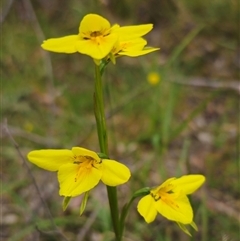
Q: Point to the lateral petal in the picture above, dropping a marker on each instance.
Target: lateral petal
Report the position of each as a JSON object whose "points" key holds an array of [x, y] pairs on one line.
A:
{"points": [[74, 182], [114, 173], [176, 209], [147, 208], [50, 159], [188, 183], [134, 31], [61, 45], [135, 53], [133, 44]]}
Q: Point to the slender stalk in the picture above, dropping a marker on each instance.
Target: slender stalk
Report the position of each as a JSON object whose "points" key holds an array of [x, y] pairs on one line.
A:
{"points": [[103, 142]]}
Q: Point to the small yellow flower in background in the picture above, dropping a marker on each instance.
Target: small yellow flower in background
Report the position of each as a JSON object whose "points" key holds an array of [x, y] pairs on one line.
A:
{"points": [[79, 169], [153, 78], [98, 39], [28, 126], [171, 201]]}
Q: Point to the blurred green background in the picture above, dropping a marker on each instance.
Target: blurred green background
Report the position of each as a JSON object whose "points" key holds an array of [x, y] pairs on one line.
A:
{"points": [[187, 123]]}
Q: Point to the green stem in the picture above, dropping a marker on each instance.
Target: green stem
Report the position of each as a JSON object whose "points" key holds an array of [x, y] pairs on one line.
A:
{"points": [[103, 142]]}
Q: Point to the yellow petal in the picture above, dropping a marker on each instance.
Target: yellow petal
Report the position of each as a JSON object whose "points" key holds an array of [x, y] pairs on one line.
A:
{"points": [[74, 182], [133, 48], [50, 159], [61, 45], [97, 49], [135, 53], [94, 23], [129, 45], [114, 173], [133, 44], [177, 208], [188, 183], [79, 151], [147, 209], [131, 32]]}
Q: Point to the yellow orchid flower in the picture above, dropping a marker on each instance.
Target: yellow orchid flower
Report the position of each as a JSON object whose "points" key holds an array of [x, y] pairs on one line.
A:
{"points": [[98, 39], [95, 38], [171, 201], [79, 169]]}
